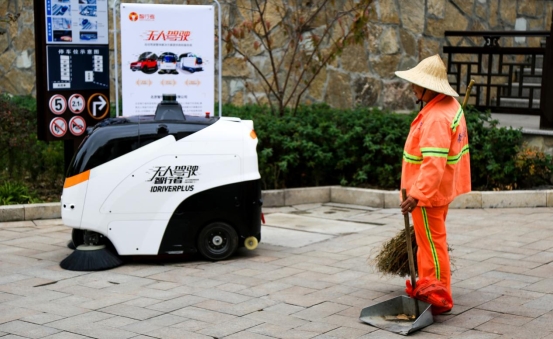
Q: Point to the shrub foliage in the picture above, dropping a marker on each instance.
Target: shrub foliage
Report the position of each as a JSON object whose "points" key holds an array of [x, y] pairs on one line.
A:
{"points": [[25, 161], [314, 146], [363, 147]]}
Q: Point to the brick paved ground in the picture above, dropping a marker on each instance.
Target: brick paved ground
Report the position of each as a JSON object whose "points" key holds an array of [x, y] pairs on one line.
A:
{"points": [[502, 282]]}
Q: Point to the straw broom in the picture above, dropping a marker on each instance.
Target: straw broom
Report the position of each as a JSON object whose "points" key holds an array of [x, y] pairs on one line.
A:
{"points": [[393, 257]]}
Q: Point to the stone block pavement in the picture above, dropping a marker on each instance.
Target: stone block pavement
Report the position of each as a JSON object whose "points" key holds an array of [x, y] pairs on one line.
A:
{"points": [[309, 278]]}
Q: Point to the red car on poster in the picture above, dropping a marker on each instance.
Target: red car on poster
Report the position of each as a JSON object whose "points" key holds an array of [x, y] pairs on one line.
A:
{"points": [[147, 63]]}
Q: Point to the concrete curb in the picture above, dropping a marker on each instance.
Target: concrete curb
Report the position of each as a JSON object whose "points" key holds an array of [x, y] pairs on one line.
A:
{"points": [[390, 199], [324, 194], [30, 212]]}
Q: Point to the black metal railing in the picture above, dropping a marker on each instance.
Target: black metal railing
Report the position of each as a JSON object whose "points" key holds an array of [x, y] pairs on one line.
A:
{"points": [[514, 80]]}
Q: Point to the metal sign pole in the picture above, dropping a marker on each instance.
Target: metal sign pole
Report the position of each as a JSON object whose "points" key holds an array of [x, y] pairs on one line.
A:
{"points": [[220, 57], [219, 51], [115, 2]]}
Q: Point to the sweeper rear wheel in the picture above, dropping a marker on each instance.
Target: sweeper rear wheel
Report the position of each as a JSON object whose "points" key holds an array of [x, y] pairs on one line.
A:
{"points": [[217, 241]]}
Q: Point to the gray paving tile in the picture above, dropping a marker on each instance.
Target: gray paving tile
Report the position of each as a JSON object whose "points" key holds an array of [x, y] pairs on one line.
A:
{"points": [[512, 330], [116, 322], [520, 310], [512, 291], [65, 335], [247, 335], [41, 318], [223, 329], [175, 304], [191, 325], [543, 303], [202, 315], [444, 330], [278, 319], [474, 298], [471, 319], [340, 320], [26, 329], [275, 331], [132, 312], [233, 298], [320, 311], [472, 334], [544, 322], [9, 313], [102, 332], [378, 334], [176, 333], [511, 319], [247, 307], [68, 324], [543, 286]]}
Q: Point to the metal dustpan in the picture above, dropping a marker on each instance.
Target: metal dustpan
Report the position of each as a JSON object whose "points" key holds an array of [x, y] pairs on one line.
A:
{"points": [[402, 314], [382, 315]]}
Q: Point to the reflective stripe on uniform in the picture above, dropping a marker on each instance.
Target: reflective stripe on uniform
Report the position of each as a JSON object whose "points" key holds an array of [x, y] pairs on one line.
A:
{"points": [[412, 159], [431, 242], [453, 159], [434, 152], [457, 119]]}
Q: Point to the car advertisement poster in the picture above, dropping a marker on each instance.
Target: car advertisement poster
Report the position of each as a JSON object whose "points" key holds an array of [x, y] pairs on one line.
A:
{"points": [[167, 49], [76, 22]]}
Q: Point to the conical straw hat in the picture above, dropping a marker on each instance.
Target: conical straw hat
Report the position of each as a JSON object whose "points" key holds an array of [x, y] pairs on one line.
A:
{"points": [[429, 73]]}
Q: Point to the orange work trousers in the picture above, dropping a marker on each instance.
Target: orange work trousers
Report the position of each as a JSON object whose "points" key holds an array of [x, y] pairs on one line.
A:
{"points": [[432, 254]]}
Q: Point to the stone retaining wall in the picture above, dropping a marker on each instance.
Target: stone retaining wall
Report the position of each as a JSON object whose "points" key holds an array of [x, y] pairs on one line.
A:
{"points": [[402, 32]]}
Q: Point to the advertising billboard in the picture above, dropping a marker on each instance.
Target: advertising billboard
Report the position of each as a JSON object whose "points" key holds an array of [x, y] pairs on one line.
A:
{"points": [[167, 49]]}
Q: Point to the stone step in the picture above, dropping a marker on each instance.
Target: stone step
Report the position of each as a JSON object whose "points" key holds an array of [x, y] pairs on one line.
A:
{"points": [[539, 61], [517, 102], [525, 90], [528, 78]]}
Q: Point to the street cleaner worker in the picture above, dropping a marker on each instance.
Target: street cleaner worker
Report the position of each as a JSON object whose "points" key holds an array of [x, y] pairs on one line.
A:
{"points": [[435, 170]]}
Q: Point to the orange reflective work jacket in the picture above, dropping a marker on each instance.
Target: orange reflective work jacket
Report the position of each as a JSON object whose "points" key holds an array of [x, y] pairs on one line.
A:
{"points": [[436, 163]]}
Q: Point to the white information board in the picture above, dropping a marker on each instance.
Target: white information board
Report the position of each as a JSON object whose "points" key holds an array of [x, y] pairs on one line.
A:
{"points": [[76, 22], [167, 49]]}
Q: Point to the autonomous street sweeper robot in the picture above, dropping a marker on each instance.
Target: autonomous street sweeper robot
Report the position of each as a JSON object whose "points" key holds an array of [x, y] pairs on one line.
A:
{"points": [[162, 184]]}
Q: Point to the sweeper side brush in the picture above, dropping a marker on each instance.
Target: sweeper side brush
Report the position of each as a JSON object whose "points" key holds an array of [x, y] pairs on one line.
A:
{"points": [[90, 254], [91, 258]]}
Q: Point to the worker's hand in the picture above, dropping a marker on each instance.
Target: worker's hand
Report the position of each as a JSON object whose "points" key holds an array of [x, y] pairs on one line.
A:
{"points": [[408, 205]]}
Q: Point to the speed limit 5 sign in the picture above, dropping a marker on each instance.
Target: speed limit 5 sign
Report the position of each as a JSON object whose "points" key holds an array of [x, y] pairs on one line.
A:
{"points": [[58, 104]]}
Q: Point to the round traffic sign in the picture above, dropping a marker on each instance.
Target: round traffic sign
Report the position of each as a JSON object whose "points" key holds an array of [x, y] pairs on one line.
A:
{"points": [[58, 127], [76, 103], [77, 125], [57, 104], [98, 106]]}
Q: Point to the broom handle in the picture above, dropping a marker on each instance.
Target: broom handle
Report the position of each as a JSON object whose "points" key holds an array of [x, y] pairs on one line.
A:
{"points": [[467, 93], [410, 249]]}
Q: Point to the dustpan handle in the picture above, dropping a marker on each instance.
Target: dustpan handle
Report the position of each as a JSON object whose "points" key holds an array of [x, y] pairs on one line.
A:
{"points": [[408, 242]]}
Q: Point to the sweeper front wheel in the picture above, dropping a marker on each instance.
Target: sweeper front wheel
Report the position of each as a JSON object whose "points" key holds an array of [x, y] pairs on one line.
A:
{"points": [[217, 241]]}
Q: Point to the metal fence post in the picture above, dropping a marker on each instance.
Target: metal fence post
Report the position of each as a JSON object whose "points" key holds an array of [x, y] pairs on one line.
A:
{"points": [[546, 100]]}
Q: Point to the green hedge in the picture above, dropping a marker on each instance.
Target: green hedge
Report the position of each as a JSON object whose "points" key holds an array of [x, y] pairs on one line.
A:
{"points": [[363, 147], [317, 146]]}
